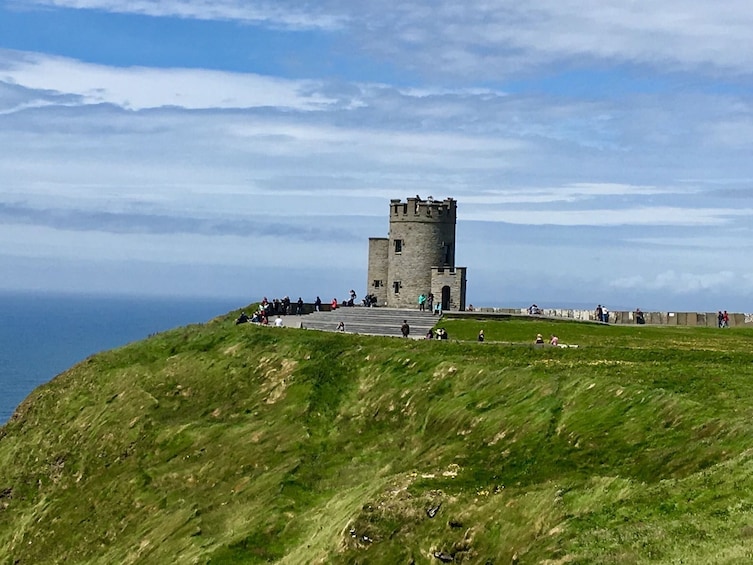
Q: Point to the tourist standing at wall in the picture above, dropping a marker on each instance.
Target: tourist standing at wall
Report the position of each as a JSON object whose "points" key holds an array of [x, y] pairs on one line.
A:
{"points": [[422, 302]]}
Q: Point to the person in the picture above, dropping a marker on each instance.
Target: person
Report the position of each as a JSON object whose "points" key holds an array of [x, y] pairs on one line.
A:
{"points": [[554, 340], [438, 309], [278, 322], [725, 319], [605, 315], [639, 319], [720, 319], [599, 314], [242, 319], [444, 335], [333, 305], [318, 304], [405, 328], [430, 302], [481, 335], [341, 326], [539, 339], [422, 302], [430, 334], [470, 308]]}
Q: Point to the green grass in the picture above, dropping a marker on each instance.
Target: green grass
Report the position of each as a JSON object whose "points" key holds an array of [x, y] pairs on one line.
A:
{"points": [[219, 443]]}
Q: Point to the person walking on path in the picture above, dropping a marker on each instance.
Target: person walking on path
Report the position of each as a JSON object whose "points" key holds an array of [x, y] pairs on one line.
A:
{"points": [[405, 328]]}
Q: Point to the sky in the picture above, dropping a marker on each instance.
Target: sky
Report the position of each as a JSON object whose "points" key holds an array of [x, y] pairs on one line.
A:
{"points": [[600, 151]]}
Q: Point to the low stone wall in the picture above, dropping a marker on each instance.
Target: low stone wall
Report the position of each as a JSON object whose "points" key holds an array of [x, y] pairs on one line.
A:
{"points": [[621, 317]]}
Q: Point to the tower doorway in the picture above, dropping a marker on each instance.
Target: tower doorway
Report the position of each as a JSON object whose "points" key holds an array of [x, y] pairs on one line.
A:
{"points": [[445, 298]]}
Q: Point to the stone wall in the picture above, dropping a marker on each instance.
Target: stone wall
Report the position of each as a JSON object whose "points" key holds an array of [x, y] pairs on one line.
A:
{"points": [[378, 272], [708, 319]]}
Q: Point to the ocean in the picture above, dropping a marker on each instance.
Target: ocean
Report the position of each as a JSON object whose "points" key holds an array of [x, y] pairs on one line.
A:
{"points": [[42, 335]]}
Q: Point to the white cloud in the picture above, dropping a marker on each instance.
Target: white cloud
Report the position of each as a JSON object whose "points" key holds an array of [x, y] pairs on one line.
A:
{"points": [[568, 193], [678, 283], [136, 88], [493, 38], [657, 216], [179, 248], [274, 13], [490, 39]]}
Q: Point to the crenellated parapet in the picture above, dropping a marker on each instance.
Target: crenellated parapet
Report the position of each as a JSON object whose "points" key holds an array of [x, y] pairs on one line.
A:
{"points": [[416, 209]]}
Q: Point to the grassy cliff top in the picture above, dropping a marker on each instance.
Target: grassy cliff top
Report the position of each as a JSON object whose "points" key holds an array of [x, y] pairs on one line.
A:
{"points": [[219, 443]]}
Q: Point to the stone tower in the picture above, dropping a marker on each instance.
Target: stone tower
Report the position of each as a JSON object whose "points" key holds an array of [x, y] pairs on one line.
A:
{"points": [[418, 256]]}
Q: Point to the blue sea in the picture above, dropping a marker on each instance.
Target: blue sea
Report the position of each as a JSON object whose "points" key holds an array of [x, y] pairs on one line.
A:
{"points": [[42, 335]]}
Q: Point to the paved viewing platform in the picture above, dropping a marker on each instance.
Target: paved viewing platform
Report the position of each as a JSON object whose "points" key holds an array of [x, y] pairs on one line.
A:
{"points": [[369, 321]]}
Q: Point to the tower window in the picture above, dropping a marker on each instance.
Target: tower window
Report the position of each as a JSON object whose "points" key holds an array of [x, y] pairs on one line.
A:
{"points": [[396, 285], [398, 246], [377, 284]]}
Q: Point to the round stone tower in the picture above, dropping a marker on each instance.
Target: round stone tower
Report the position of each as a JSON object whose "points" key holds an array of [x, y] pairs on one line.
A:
{"points": [[421, 237]]}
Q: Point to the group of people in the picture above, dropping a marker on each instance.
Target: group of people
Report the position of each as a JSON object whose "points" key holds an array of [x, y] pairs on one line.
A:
{"points": [[602, 314], [722, 319], [258, 317], [553, 340], [426, 302], [280, 306], [334, 305], [440, 333]]}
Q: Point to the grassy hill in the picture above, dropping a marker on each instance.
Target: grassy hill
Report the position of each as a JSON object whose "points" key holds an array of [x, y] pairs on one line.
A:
{"points": [[223, 444]]}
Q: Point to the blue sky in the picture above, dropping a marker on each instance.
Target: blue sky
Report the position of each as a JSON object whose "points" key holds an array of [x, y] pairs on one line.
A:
{"points": [[599, 151]]}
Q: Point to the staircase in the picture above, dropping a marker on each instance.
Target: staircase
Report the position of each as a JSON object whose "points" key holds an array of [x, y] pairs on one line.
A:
{"points": [[371, 321]]}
